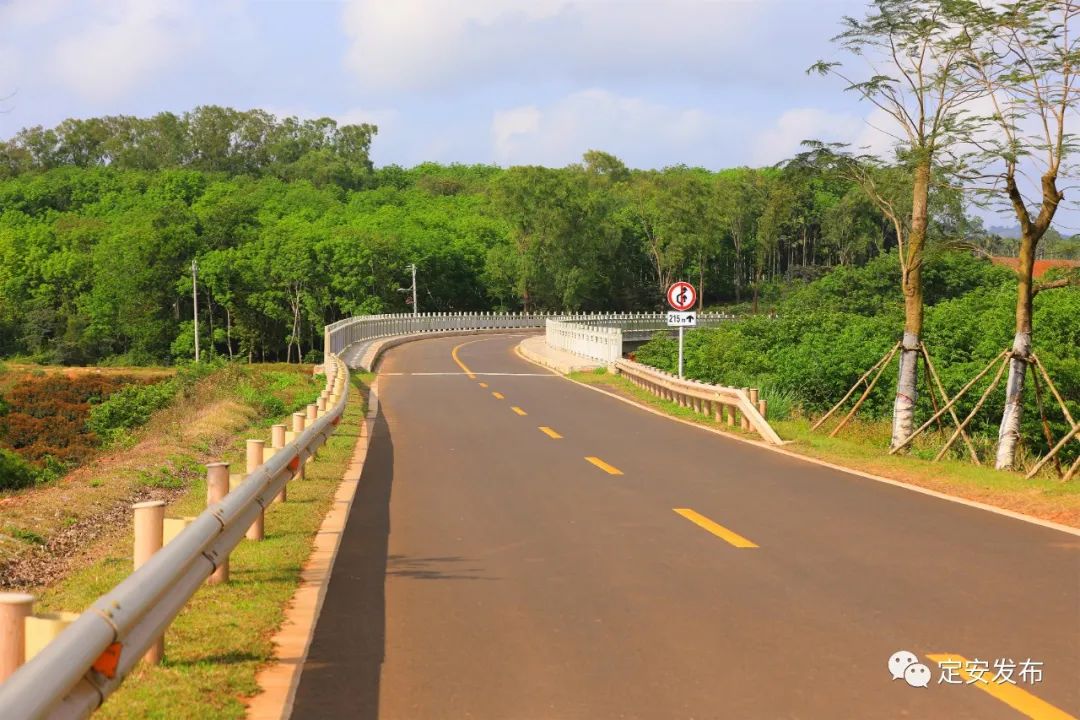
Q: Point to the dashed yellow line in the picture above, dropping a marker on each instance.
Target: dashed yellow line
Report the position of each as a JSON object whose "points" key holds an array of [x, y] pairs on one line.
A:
{"points": [[550, 433], [499, 396], [463, 366], [609, 469], [1015, 697], [483, 385], [518, 410], [732, 538]]}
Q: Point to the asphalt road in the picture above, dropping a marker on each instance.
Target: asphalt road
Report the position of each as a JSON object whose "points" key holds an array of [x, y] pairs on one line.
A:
{"points": [[490, 569]]}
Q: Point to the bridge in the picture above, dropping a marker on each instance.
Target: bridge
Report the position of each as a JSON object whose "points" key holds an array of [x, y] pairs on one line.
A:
{"points": [[522, 546]]}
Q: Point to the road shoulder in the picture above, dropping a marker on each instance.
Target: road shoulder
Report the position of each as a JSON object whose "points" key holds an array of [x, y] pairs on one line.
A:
{"points": [[279, 680]]}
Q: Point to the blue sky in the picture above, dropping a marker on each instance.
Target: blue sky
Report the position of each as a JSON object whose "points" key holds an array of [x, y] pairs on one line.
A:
{"points": [[716, 83]]}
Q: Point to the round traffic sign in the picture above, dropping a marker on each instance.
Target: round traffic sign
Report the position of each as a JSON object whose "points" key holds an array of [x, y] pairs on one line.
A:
{"points": [[681, 296]]}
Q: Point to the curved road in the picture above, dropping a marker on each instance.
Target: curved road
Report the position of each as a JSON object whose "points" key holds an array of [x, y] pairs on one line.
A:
{"points": [[525, 547]]}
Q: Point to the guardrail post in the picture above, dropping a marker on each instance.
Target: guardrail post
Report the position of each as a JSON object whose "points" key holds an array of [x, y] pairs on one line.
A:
{"points": [[312, 416], [762, 405], [277, 441], [217, 487], [299, 420], [14, 609], [744, 422], [254, 460], [149, 537]]}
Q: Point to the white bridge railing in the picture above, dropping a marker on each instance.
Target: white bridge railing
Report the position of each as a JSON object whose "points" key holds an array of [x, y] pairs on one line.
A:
{"points": [[597, 336], [601, 337]]}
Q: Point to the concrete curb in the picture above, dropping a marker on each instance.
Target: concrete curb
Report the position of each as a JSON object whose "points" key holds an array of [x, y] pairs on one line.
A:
{"points": [[536, 358], [1050, 524], [279, 681]]}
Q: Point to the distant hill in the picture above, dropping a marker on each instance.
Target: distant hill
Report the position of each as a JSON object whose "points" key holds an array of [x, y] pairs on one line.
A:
{"points": [[1004, 231]]}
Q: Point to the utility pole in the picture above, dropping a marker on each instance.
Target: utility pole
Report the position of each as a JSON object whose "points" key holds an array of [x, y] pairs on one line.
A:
{"points": [[195, 301], [415, 309]]}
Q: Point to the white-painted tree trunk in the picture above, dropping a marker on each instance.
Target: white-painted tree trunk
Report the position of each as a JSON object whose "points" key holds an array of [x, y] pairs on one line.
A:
{"points": [[1009, 432], [907, 390]]}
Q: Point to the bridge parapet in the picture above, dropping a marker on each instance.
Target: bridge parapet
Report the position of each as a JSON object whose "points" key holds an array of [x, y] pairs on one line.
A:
{"points": [[597, 335]]}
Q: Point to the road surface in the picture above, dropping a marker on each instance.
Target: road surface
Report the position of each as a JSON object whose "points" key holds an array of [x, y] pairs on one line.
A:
{"points": [[525, 547]]}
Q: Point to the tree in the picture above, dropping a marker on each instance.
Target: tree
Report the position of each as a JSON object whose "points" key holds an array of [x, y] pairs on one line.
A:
{"points": [[1022, 54], [924, 92]]}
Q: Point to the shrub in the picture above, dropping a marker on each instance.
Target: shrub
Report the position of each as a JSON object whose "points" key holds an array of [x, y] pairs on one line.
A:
{"points": [[15, 472], [128, 408]]}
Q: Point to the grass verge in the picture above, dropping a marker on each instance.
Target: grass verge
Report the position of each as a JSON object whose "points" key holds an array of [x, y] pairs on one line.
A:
{"points": [[217, 644], [862, 447]]}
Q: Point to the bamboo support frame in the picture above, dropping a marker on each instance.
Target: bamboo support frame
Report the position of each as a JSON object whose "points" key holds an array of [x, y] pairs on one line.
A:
{"points": [[978, 406], [945, 396], [1053, 388], [928, 423], [1072, 470], [1054, 451], [866, 393], [850, 392], [1042, 416]]}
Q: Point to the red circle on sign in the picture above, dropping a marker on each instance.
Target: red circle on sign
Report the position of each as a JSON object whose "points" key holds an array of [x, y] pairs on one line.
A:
{"points": [[681, 296]]}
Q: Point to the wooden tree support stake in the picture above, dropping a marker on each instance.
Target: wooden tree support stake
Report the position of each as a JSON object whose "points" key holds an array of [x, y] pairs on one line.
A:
{"points": [[1042, 416], [1054, 451], [945, 397], [858, 382], [986, 393], [884, 363], [1072, 470], [1053, 388]]}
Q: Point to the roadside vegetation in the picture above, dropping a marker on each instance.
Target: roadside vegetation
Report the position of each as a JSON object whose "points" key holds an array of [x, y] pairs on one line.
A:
{"points": [[51, 423], [825, 335], [46, 528], [218, 643]]}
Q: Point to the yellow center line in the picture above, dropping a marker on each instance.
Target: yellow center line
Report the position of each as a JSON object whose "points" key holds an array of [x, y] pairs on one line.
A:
{"points": [[1015, 697], [550, 433], [518, 410], [463, 366], [716, 529], [498, 395], [609, 469], [483, 385]]}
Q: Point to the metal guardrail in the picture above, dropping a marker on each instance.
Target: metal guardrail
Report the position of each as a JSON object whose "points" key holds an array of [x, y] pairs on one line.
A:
{"points": [[702, 397], [62, 680]]}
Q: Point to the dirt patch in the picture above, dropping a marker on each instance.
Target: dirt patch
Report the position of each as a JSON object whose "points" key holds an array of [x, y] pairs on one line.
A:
{"points": [[74, 545]]}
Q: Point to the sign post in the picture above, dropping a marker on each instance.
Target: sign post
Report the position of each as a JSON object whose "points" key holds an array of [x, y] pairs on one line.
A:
{"points": [[681, 296]]}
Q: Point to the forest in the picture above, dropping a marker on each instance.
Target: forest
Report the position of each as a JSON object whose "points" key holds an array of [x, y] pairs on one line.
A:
{"points": [[292, 227]]}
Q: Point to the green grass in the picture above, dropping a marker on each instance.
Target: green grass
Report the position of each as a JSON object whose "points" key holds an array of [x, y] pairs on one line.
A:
{"points": [[863, 446], [217, 644]]}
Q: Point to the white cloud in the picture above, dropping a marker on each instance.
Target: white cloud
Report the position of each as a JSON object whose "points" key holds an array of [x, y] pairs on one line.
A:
{"points": [[784, 139], [442, 44], [643, 133], [124, 46]]}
